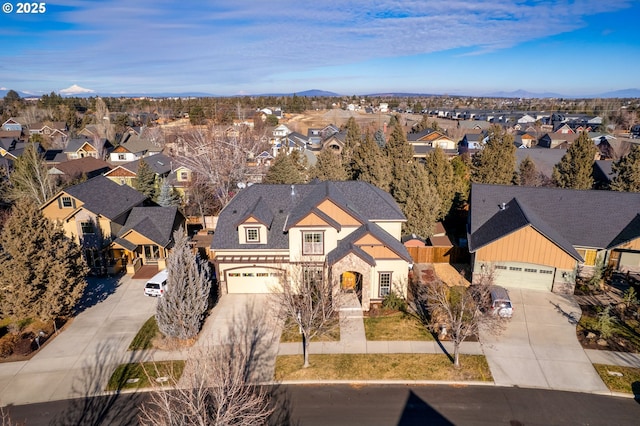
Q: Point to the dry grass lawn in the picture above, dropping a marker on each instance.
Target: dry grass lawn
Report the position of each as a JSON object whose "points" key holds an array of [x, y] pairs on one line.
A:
{"points": [[396, 326], [291, 333], [617, 383], [383, 367]]}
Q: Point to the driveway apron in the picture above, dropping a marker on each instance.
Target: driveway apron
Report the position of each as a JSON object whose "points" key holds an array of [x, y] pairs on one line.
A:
{"points": [[539, 347]]}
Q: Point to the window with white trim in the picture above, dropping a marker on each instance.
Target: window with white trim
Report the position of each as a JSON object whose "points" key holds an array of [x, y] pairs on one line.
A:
{"points": [[384, 283], [87, 228], [312, 243], [253, 235]]}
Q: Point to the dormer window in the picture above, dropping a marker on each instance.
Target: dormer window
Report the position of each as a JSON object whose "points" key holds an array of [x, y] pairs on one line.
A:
{"points": [[67, 202], [252, 235], [312, 243]]}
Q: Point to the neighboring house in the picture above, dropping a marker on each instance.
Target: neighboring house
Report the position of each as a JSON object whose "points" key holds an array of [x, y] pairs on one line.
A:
{"points": [[133, 147], [54, 130], [11, 149], [89, 167], [603, 174], [147, 236], [345, 232], [542, 238], [543, 159], [12, 125], [557, 140], [86, 147], [335, 141], [524, 140], [92, 213], [125, 174], [432, 138]]}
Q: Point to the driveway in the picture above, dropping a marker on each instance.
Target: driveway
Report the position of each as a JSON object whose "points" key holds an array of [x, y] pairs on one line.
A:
{"points": [[539, 347], [82, 357]]}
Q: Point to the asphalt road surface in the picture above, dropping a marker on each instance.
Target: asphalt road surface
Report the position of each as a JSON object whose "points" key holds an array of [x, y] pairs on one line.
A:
{"points": [[377, 405]]}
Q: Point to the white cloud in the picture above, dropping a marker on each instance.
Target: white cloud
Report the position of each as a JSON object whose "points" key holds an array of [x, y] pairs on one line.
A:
{"points": [[75, 90]]}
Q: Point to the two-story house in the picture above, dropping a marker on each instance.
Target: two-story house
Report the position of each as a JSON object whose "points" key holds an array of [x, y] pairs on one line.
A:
{"points": [[346, 232]]}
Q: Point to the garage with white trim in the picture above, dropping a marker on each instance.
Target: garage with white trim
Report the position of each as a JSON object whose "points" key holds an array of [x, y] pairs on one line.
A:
{"points": [[252, 280], [524, 275]]}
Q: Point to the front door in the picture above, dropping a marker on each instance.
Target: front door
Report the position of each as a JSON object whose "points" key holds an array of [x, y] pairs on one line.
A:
{"points": [[151, 253], [348, 281]]}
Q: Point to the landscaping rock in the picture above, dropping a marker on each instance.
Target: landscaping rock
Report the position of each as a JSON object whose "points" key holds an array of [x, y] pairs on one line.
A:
{"points": [[591, 335], [602, 342]]}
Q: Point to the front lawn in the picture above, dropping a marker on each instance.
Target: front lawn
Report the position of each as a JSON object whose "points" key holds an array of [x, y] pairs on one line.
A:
{"points": [[383, 367], [395, 326], [146, 334], [625, 331], [620, 379], [140, 375], [291, 333]]}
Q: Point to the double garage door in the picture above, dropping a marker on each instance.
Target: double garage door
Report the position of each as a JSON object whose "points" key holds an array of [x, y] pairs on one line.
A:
{"points": [[252, 280], [524, 275]]}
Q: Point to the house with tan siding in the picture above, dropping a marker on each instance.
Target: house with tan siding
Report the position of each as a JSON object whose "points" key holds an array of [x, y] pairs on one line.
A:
{"points": [[543, 238], [345, 232]]}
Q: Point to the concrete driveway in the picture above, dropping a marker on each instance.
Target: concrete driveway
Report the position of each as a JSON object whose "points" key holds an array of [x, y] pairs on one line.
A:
{"points": [[539, 347], [78, 361]]}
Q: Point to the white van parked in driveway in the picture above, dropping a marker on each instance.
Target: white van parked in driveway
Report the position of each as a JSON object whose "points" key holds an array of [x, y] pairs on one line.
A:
{"points": [[157, 285]]}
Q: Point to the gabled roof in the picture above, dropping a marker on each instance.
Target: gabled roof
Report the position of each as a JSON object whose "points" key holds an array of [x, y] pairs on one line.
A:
{"points": [[359, 199], [348, 244], [155, 223], [105, 197], [412, 137], [75, 144], [159, 163], [87, 165], [136, 144], [580, 218], [260, 211]]}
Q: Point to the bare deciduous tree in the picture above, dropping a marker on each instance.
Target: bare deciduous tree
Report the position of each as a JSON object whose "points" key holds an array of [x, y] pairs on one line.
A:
{"points": [[30, 178], [219, 385], [180, 313], [305, 297], [219, 159], [456, 310]]}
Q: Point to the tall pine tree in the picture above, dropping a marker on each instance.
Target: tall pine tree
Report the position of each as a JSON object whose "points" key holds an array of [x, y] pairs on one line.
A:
{"points": [[286, 168], [528, 174], [496, 162], [440, 172], [370, 164], [329, 166], [627, 171], [146, 180], [575, 169], [42, 272]]}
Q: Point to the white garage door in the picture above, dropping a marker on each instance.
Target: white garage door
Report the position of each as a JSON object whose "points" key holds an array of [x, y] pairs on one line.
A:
{"points": [[524, 275], [252, 280]]}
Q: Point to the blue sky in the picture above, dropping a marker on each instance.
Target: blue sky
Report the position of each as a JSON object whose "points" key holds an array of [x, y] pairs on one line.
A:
{"points": [[572, 47]]}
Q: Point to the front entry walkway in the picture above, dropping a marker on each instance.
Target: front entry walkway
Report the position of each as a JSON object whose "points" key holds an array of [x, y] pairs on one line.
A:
{"points": [[352, 334]]}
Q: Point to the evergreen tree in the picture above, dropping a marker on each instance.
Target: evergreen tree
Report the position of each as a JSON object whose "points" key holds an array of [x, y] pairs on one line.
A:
{"points": [[461, 172], [418, 200], [286, 168], [329, 166], [42, 273], [575, 169], [496, 162], [352, 140], [146, 180], [440, 172], [528, 175], [168, 196], [370, 164], [180, 312], [627, 171]]}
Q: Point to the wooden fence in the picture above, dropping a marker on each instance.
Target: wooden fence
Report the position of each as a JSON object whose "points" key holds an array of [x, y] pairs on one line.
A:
{"points": [[431, 254]]}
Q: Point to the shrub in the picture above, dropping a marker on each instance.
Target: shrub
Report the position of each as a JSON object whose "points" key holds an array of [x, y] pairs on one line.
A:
{"points": [[394, 301], [605, 323]]}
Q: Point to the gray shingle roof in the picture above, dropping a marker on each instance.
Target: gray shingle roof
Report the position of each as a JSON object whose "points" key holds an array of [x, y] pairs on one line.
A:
{"points": [[358, 198], [102, 196], [348, 244], [155, 223], [159, 163], [589, 218]]}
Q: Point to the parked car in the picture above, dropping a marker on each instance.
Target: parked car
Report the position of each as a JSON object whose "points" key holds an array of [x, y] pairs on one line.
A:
{"points": [[500, 302], [157, 285]]}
